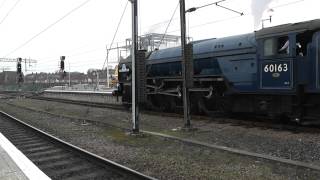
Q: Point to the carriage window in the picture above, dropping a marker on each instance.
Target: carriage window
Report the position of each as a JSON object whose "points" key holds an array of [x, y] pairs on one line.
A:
{"points": [[269, 47]]}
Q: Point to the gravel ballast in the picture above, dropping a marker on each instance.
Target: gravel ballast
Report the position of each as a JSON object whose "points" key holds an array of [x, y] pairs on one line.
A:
{"points": [[166, 159]]}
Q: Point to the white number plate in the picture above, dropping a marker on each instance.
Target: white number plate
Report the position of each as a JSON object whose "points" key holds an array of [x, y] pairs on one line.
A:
{"points": [[273, 68]]}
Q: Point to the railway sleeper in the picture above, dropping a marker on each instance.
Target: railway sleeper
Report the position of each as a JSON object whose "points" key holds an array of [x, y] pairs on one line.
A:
{"points": [[97, 174], [32, 145], [36, 150], [50, 159], [62, 164], [23, 142], [73, 171], [45, 154]]}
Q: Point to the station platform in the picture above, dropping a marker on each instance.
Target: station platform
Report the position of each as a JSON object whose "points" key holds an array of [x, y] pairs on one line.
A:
{"points": [[14, 165]]}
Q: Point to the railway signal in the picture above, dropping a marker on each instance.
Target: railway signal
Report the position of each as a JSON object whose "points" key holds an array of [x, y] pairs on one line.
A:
{"points": [[19, 71], [62, 58]]}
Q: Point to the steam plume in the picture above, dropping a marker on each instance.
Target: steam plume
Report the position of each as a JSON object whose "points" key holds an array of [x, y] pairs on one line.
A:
{"points": [[257, 8]]}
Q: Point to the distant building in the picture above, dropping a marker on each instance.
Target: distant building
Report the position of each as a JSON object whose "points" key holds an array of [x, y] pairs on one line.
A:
{"points": [[8, 77], [56, 78], [52, 78]]}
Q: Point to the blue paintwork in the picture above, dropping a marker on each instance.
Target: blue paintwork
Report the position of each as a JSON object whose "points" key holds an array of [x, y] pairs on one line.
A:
{"points": [[233, 57], [208, 47], [277, 79], [240, 60], [313, 65]]}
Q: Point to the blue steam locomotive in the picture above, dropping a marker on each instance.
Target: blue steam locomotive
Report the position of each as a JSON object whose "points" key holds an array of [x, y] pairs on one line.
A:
{"points": [[274, 71]]}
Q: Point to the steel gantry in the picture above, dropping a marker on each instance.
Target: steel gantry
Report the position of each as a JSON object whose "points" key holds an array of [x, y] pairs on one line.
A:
{"points": [[15, 60]]}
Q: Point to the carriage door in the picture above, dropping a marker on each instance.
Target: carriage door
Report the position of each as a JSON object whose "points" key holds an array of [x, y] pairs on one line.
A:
{"points": [[276, 64]]}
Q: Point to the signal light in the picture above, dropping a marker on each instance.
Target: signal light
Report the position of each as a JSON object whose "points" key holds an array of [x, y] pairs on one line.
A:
{"points": [[62, 58], [19, 69]]}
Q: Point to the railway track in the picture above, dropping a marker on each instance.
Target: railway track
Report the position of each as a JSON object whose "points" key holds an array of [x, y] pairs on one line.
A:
{"points": [[13, 94], [59, 159], [84, 103], [248, 122], [298, 164]]}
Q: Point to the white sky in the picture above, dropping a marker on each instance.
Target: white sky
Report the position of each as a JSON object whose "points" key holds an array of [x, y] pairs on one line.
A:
{"points": [[82, 37]]}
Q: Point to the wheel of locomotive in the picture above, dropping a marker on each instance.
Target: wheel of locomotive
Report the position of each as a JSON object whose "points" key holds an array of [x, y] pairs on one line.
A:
{"points": [[153, 102], [166, 103], [217, 105], [196, 104], [223, 105], [162, 103], [202, 108]]}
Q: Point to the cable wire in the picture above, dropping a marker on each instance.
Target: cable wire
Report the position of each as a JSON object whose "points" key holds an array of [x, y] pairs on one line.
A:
{"points": [[214, 3], [115, 34], [287, 4], [211, 22], [48, 27], [12, 8], [165, 32]]}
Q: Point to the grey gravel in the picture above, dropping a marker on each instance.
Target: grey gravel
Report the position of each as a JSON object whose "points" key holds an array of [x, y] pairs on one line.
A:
{"points": [[166, 159]]}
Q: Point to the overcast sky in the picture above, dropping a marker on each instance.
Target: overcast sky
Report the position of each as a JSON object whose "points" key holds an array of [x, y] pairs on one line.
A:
{"points": [[83, 35]]}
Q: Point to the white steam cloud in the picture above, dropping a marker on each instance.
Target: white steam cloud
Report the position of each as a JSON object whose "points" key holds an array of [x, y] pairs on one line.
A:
{"points": [[258, 7]]}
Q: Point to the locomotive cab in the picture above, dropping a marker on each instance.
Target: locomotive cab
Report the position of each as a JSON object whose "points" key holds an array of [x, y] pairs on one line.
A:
{"points": [[288, 64]]}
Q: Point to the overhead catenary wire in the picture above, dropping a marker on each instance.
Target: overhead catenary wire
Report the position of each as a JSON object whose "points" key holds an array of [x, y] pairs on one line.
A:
{"points": [[11, 9], [210, 4], [228, 18], [165, 32], [208, 23], [214, 3], [47, 60], [74, 52], [287, 4], [48, 27], [115, 34]]}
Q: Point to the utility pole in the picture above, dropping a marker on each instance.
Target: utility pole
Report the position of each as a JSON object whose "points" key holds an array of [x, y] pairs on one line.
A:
{"points": [[108, 83], [186, 100], [187, 81], [98, 82], [134, 46], [69, 75]]}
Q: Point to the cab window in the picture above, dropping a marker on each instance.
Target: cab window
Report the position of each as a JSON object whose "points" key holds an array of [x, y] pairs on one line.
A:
{"points": [[275, 46], [283, 45], [269, 47]]}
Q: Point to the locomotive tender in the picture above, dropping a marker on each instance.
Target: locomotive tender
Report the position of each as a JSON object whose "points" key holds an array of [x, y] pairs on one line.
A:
{"points": [[250, 73]]}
